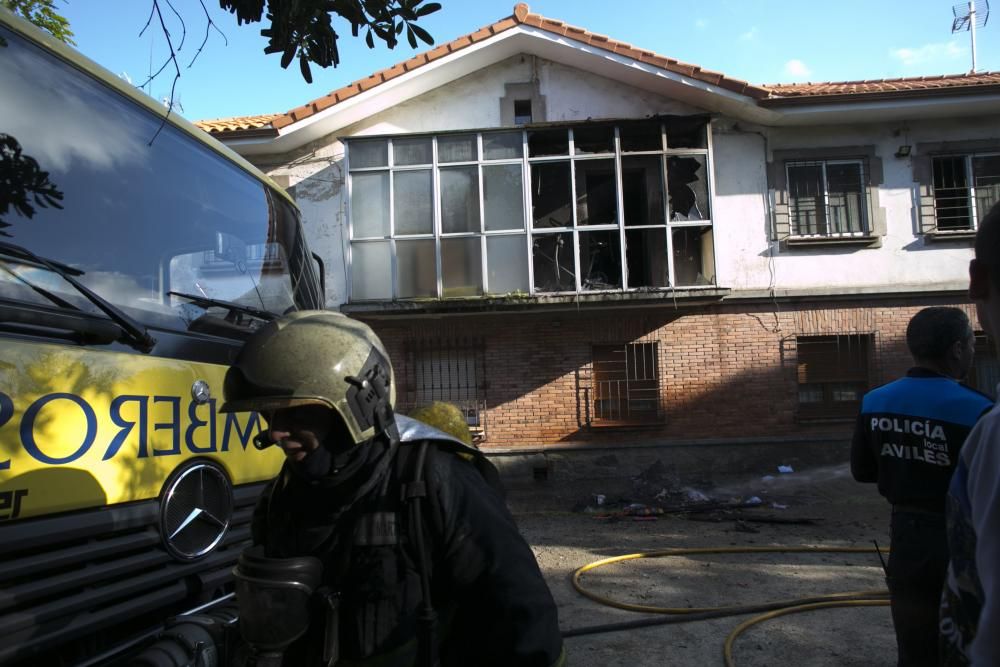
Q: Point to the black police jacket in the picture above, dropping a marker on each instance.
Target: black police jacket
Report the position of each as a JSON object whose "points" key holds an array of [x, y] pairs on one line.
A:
{"points": [[908, 435], [493, 605]]}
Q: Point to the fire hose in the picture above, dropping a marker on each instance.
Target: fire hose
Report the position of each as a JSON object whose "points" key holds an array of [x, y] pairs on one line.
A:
{"points": [[773, 609]]}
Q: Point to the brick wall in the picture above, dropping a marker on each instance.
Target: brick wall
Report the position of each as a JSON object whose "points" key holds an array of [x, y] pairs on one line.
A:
{"points": [[726, 371]]}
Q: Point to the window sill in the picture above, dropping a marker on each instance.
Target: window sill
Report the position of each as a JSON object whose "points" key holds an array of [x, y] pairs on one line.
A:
{"points": [[626, 425], [832, 240], [959, 235]]}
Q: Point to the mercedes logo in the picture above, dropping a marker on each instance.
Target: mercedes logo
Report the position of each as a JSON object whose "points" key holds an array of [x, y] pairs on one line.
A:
{"points": [[195, 510]]}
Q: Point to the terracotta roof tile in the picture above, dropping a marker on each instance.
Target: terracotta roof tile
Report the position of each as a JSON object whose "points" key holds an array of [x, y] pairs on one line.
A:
{"points": [[874, 86], [238, 123], [769, 94]]}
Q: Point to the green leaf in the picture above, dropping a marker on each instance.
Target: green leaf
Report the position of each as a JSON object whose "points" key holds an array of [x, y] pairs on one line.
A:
{"points": [[429, 8], [422, 34], [304, 68]]}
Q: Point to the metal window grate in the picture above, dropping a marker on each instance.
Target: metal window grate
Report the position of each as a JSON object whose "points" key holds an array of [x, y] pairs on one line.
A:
{"points": [[452, 371], [833, 373], [626, 383], [828, 197]]}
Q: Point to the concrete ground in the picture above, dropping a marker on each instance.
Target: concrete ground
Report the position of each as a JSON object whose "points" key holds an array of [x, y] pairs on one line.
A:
{"points": [[568, 529]]}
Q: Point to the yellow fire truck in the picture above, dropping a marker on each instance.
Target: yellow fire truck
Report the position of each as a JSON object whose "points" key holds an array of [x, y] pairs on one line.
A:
{"points": [[136, 256]]}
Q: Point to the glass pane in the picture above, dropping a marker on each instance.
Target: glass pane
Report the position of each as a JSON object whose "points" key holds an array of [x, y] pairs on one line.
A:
{"points": [[594, 139], [646, 257], [595, 192], [600, 260], [457, 148], [459, 199], [371, 272], [503, 197], [687, 188], [370, 204], [810, 393], [551, 195], [412, 150], [846, 198], [548, 142], [951, 194], [552, 261], [461, 267], [687, 132], [507, 263], [370, 153], [986, 175], [805, 199], [416, 269], [642, 185], [694, 256], [412, 197], [502, 146], [846, 391], [641, 136]]}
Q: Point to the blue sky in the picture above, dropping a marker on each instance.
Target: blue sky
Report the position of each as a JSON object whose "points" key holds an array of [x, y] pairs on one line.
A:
{"points": [[761, 41]]}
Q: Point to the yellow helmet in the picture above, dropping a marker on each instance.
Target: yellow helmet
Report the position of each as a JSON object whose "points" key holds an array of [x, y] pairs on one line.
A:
{"points": [[315, 358]]}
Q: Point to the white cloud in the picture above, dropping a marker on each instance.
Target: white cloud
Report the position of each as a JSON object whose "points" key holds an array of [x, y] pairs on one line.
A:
{"points": [[749, 34], [797, 68], [701, 24], [928, 53]]}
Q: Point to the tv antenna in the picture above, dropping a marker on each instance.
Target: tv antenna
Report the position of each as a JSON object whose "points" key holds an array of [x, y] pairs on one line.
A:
{"points": [[967, 17]]}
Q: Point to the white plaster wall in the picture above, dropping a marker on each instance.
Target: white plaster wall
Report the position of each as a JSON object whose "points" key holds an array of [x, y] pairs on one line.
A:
{"points": [[747, 260]]}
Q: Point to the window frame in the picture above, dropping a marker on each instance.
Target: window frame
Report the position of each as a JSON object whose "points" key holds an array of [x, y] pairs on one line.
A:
{"points": [[651, 418], [795, 225], [972, 201], [827, 408], [529, 232]]}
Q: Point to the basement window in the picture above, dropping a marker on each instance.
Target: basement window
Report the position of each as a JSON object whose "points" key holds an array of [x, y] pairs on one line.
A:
{"points": [[833, 375], [626, 384], [985, 372], [448, 370]]}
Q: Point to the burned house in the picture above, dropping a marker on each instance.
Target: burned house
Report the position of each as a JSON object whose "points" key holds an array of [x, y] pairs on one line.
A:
{"points": [[586, 244]]}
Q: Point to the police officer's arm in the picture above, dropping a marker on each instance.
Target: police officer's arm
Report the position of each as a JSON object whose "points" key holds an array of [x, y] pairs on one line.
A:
{"points": [[864, 465], [505, 610]]}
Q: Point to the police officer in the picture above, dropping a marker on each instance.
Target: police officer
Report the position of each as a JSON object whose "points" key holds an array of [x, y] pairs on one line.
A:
{"points": [[395, 536], [907, 439]]}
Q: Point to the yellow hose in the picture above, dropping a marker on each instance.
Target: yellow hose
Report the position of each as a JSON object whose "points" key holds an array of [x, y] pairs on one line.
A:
{"points": [[727, 650], [853, 598]]}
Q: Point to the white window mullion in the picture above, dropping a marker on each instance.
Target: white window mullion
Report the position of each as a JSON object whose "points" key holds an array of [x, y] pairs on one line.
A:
{"points": [[971, 178], [436, 181], [526, 200], [620, 209], [666, 217], [484, 278], [826, 201], [348, 253], [393, 263], [575, 234]]}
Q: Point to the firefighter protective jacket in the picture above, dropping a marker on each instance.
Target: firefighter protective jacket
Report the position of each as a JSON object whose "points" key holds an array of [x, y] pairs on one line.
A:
{"points": [[908, 435], [493, 606]]}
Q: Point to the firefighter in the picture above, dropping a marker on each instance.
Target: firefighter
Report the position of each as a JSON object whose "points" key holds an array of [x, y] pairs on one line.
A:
{"points": [[395, 538], [907, 439]]}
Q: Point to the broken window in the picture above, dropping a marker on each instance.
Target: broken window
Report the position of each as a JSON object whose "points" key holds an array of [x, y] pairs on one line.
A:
{"points": [[619, 212], [551, 195], [446, 370], [826, 198], [626, 383], [833, 374], [553, 262], [965, 188], [687, 187]]}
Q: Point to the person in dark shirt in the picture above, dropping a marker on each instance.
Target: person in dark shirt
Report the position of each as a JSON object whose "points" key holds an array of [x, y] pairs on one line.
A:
{"points": [[907, 440]]}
